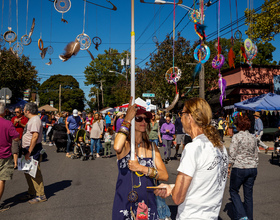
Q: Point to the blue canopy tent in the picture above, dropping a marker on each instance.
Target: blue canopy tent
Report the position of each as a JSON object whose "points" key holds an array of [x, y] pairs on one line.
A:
{"points": [[21, 104], [269, 101]]}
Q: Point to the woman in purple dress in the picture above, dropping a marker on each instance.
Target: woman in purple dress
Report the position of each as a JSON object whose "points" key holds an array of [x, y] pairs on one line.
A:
{"points": [[134, 176]]}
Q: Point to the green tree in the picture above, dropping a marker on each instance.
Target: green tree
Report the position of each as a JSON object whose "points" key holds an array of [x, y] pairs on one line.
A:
{"points": [[72, 97], [265, 25], [107, 67], [153, 76], [17, 74]]}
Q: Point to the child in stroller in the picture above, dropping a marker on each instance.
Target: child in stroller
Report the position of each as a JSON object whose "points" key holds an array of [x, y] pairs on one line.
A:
{"points": [[81, 147]]}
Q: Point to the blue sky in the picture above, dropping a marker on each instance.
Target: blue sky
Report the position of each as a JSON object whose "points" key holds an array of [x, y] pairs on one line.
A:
{"points": [[113, 27]]}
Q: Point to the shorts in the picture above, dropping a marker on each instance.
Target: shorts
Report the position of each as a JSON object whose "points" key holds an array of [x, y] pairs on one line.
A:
{"points": [[180, 138], [6, 168], [15, 146]]}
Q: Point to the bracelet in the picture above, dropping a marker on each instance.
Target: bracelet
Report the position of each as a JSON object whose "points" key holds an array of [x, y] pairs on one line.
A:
{"points": [[126, 124], [126, 132], [123, 127], [148, 172], [120, 132], [153, 173]]}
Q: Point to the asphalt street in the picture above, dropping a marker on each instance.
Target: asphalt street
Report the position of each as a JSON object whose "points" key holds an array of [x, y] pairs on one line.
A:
{"points": [[85, 189]]}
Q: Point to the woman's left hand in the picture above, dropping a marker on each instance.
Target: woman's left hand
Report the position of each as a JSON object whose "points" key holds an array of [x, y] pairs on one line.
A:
{"points": [[134, 165]]}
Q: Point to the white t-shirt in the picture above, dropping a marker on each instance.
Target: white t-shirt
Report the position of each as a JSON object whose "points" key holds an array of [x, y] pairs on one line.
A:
{"points": [[34, 125], [207, 166]]}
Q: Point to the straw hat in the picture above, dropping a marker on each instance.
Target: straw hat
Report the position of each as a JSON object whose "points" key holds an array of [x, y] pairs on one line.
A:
{"points": [[257, 114]]}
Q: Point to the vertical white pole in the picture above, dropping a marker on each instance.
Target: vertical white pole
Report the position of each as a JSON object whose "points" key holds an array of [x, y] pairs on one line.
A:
{"points": [[132, 79]]}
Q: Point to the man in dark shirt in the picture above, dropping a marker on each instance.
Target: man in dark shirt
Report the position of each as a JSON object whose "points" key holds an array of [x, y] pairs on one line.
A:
{"points": [[180, 135], [45, 121]]}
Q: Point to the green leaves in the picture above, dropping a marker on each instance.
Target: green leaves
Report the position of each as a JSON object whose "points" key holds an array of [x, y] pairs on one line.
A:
{"points": [[17, 74], [265, 25], [72, 97]]}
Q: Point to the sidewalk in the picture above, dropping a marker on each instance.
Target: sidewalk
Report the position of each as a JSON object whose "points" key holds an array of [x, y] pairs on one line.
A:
{"points": [[270, 144]]}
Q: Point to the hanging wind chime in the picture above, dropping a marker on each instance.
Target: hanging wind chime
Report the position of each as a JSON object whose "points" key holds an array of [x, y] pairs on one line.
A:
{"points": [[218, 62], [50, 48], [250, 50], [83, 38], [26, 39], [17, 47], [96, 40], [2, 41], [231, 55], [202, 51], [10, 36], [62, 6]]}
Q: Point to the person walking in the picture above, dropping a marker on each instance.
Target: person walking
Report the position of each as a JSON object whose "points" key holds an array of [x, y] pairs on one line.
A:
{"points": [[73, 123], [108, 120], [19, 121], [108, 136], [8, 134], [167, 130], [259, 131], [154, 134], [180, 135], [45, 121], [32, 146], [242, 168], [96, 134], [202, 173]]}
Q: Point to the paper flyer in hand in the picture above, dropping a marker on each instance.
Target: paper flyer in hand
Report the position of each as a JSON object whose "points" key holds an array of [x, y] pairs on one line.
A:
{"points": [[33, 169], [24, 164]]}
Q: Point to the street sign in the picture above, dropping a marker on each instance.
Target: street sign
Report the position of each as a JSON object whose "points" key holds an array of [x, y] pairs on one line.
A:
{"points": [[4, 92], [148, 105], [148, 95]]}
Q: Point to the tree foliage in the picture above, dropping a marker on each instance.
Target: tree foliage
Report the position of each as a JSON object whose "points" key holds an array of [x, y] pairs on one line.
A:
{"points": [[17, 74], [265, 25], [107, 67], [72, 97]]}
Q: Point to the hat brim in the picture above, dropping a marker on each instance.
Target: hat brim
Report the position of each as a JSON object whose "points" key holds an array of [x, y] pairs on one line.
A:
{"points": [[75, 115], [142, 110]]}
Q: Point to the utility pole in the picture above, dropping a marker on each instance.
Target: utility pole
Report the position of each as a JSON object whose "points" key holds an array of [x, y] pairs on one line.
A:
{"points": [[59, 102], [201, 74], [101, 87], [97, 101]]}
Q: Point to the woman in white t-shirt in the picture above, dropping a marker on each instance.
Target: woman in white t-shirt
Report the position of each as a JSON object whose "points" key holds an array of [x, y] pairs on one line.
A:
{"points": [[202, 172]]}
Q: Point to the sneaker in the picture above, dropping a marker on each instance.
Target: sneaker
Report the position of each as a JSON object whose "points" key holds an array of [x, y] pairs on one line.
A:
{"points": [[38, 199], [4, 208], [266, 150], [50, 144]]}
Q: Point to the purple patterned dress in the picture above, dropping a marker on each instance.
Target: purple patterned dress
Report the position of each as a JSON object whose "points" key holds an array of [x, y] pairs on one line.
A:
{"points": [[121, 207]]}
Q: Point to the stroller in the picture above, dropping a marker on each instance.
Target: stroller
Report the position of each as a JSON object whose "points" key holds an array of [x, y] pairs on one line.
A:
{"points": [[60, 137], [81, 147]]}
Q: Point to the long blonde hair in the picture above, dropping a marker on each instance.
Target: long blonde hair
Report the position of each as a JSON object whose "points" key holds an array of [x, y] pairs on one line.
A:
{"points": [[202, 115]]}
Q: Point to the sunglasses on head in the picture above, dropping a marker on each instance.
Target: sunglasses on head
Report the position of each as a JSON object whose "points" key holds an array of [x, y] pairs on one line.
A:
{"points": [[140, 118]]}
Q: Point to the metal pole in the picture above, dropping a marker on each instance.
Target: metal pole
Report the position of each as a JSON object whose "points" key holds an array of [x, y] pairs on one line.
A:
{"points": [[132, 79], [97, 101], [201, 74]]}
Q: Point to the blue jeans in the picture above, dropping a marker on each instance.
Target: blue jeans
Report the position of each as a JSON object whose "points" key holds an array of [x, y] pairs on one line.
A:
{"points": [[45, 134], [245, 177], [69, 142], [96, 143], [155, 141]]}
